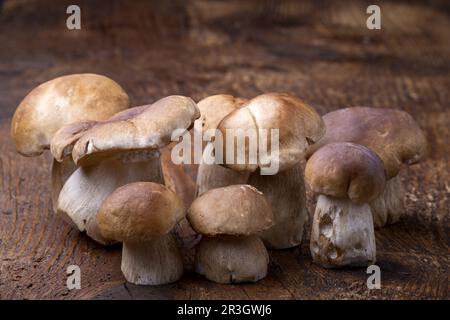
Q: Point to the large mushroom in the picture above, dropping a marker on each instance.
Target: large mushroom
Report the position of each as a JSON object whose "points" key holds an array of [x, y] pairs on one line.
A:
{"points": [[347, 177], [298, 126], [393, 135], [113, 153], [142, 215], [55, 103], [230, 219]]}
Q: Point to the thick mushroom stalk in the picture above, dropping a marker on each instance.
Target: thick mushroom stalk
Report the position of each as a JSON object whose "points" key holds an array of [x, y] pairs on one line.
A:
{"points": [[211, 176], [154, 262], [142, 216], [286, 194], [393, 135], [342, 233], [112, 153], [230, 219], [389, 206], [232, 259], [347, 177]]}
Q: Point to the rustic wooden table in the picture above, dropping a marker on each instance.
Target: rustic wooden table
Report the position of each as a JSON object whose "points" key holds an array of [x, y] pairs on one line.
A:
{"points": [[322, 53]]}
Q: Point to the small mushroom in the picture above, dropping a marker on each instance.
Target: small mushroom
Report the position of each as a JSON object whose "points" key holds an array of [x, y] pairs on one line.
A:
{"points": [[115, 152], [298, 126], [347, 177], [142, 215], [55, 103], [393, 135], [230, 219]]}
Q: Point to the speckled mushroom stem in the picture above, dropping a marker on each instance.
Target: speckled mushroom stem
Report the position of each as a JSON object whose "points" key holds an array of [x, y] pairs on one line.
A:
{"points": [[342, 233], [285, 192], [153, 262], [231, 259], [389, 206]]}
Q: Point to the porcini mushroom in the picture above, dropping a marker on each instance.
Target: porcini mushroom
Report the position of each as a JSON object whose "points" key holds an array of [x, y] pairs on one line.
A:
{"points": [[229, 218], [55, 103], [212, 110], [142, 215], [393, 135], [347, 177], [115, 152], [298, 126]]}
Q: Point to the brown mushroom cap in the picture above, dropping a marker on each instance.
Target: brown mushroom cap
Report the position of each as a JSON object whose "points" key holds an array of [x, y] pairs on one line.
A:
{"points": [[138, 212], [148, 127], [232, 210], [214, 108], [297, 122], [392, 134], [60, 101], [63, 140], [344, 170]]}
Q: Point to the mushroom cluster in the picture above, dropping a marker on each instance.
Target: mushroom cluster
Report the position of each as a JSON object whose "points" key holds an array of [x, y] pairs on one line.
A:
{"points": [[393, 135], [107, 177], [112, 153]]}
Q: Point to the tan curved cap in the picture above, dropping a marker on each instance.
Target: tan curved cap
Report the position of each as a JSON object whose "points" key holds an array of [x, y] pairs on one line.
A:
{"points": [[64, 100], [147, 127], [298, 123], [346, 170], [392, 134], [214, 108], [138, 212], [233, 210], [65, 138]]}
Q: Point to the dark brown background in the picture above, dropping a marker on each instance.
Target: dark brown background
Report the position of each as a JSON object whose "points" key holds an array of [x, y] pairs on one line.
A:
{"points": [[320, 51]]}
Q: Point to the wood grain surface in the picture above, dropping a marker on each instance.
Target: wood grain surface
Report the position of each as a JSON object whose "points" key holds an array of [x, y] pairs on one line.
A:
{"points": [[318, 50]]}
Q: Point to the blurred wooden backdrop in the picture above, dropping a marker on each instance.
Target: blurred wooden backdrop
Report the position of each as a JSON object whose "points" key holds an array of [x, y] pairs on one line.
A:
{"points": [[318, 50]]}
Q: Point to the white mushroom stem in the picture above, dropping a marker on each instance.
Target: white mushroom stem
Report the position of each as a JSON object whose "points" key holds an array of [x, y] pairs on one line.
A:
{"points": [[286, 194], [231, 259], [61, 171], [389, 206], [342, 233], [87, 188], [154, 262]]}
